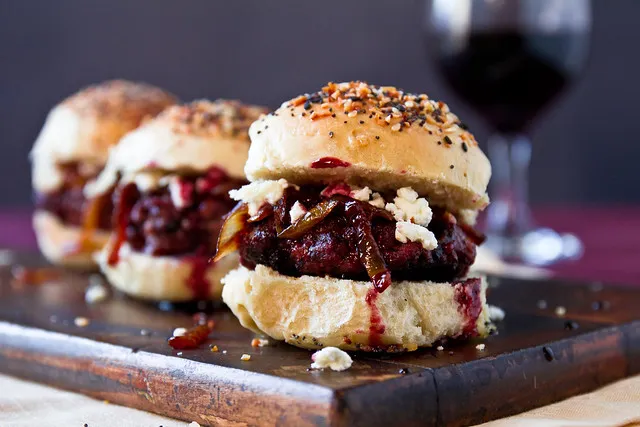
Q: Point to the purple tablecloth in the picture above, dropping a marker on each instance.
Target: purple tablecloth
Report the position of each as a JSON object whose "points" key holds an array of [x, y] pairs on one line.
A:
{"points": [[611, 237]]}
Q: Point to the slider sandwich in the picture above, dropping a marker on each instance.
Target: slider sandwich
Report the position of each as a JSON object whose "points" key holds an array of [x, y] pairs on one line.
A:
{"points": [[170, 179], [70, 151], [356, 230]]}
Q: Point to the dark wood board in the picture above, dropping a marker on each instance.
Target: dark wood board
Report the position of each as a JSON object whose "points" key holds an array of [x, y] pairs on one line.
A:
{"points": [[111, 359]]}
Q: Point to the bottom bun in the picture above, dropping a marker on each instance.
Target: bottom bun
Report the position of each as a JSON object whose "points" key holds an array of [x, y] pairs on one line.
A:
{"points": [[313, 312], [163, 278], [58, 242]]}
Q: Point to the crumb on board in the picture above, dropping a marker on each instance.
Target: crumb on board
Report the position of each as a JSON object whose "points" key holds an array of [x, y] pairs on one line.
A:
{"points": [[560, 311], [259, 342], [96, 291], [179, 332], [81, 322], [215, 349], [496, 314], [331, 357], [481, 347], [440, 348], [245, 357]]}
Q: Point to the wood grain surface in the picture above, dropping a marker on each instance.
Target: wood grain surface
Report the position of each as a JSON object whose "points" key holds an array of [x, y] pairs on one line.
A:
{"points": [[122, 356]]}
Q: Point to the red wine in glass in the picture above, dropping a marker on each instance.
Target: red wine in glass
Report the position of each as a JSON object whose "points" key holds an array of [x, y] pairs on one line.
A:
{"points": [[509, 59], [508, 76]]}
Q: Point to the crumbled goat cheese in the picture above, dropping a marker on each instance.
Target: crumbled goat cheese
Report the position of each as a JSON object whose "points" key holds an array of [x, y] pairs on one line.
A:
{"points": [[407, 206], [366, 195], [178, 332], [331, 357], [96, 291], [297, 211], [408, 231], [362, 194], [177, 193], [146, 181], [377, 201], [496, 314], [260, 192], [412, 214]]}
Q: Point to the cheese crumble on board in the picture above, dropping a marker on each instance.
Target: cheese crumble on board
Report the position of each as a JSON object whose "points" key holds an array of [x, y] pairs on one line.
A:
{"points": [[331, 357]]}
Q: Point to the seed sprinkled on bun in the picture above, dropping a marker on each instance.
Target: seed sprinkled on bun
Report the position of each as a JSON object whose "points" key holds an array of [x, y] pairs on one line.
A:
{"points": [[387, 106], [229, 117], [120, 98]]}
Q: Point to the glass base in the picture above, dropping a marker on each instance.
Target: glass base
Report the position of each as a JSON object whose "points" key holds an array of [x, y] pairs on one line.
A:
{"points": [[540, 246]]}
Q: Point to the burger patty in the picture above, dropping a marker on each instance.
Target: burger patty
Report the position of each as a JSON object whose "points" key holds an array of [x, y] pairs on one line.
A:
{"points": [[157, 227], [68, 202], [330, 248]]}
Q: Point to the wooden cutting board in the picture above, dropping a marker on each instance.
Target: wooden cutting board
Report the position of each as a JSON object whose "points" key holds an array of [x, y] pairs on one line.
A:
{"points": [[122, 356]]}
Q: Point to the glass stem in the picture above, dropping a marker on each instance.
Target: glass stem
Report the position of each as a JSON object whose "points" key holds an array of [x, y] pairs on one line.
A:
{"points": [[509, 214]]}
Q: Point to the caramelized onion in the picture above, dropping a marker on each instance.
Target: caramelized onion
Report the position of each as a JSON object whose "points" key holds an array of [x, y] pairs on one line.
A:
{"points": [[263, 213], [234, 223], [367, 246], [474, 235], [309, 220]]}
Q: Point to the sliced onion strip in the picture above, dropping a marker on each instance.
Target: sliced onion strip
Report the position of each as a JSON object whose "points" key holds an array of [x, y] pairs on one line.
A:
{"points": [[368, 250], [310, 219], [234, 223]]}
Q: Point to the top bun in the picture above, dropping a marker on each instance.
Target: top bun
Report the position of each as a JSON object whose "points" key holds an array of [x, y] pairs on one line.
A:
{"points": [[375, 136], [184, 138], [85, 125]]}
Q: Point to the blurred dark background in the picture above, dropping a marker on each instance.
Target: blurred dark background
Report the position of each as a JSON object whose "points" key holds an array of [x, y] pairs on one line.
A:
{"points": [[585, 145]]}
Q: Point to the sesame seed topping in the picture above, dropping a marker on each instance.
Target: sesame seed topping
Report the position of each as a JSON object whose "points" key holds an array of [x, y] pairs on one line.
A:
{"points": [[128, 101], [386, 106], [229, 118]]}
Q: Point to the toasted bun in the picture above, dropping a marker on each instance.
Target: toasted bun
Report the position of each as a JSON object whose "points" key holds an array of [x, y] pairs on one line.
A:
{"points": [[55, 240], [191, 137], [312, 312], [423, 146], [159, 278], [85, 125]]}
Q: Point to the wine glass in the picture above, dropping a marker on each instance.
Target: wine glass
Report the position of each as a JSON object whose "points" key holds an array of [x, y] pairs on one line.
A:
{"points": [[508, 59]]}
